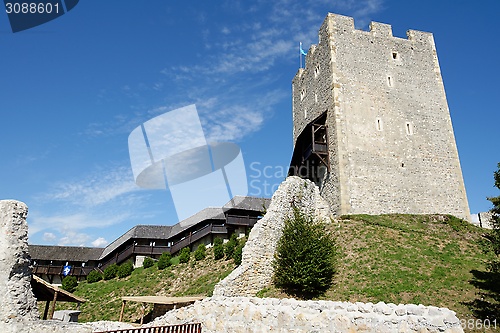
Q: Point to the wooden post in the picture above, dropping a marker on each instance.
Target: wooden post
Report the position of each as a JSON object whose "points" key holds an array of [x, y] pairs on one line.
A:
{"points": [[122, 310], [53, 306], [143, 310], [46, 310]]}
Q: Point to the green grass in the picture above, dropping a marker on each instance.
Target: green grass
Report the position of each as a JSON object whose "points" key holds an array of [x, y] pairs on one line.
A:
{"points": [[422, 259], [104, 297]]}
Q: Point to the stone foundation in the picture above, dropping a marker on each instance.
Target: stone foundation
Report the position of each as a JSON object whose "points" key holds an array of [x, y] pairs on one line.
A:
{"points": [[251, 314]]}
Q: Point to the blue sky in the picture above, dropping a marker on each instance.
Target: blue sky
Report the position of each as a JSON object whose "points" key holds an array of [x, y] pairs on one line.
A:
{"points": [[74, 88]]}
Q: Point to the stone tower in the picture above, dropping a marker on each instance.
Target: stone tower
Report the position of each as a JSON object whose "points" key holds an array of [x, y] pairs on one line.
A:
{"points": [[371, 124]]}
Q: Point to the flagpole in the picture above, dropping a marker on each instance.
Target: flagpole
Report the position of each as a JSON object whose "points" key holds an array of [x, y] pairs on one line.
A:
{"points": [[300, 54]]}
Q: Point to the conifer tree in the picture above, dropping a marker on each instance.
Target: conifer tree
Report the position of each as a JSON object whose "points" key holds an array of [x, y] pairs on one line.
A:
{"points": [[304, 263]]}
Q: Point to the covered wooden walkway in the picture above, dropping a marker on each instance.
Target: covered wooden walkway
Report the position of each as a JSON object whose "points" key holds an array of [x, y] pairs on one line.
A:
{"points": [[47, 292]]}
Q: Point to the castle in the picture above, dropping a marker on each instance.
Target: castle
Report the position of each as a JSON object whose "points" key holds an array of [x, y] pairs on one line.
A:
{"points": [[371, 125]]}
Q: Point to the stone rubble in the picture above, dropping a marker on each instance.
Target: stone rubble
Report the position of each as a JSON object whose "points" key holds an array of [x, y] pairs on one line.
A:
{"points": [[251, 314]]}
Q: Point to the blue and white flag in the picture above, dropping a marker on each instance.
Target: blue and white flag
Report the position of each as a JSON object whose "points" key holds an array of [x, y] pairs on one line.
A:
{"points": [[301, 50], [66, 270]]}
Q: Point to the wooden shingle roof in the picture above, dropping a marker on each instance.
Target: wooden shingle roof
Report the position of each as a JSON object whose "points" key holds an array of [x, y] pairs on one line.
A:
{"points": [[64, 253]]}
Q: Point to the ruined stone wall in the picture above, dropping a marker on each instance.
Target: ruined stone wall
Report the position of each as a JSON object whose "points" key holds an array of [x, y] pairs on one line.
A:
{"points": [[391, 142], [255, 271], [18, 308], [251, 314]]}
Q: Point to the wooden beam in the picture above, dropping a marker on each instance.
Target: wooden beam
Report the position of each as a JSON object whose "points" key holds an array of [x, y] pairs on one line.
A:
{"points": [[46, 310], [53, 307], [122, 310], [143, 310]]}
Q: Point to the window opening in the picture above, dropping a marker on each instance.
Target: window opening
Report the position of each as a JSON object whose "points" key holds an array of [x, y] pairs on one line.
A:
{"points": [[409, 129], [379, 124], [389, 81], [316, 71], [302, 95]]}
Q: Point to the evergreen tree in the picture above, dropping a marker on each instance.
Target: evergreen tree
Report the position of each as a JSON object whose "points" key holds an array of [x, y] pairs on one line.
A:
{"points": [[110, 272], [495, 235], [125, 269], [148, 262], [184, 255], [218, 249], [164, 260], [230, 246], [69, 283], [304, 263], [200, 252], [238, 252], [94, 276]]}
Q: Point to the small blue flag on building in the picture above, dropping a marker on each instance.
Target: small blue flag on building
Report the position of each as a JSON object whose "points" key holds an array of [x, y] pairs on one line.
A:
{"points": [[301, 50], [66, 270]]}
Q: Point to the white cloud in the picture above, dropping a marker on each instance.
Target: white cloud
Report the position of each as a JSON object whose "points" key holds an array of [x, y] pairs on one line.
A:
{"points": [[96, 189], [73, 238], [49, 237], [100, 242]]}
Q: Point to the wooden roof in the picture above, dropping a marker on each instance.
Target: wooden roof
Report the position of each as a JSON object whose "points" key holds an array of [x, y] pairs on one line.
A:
{"points": [[64, 253], [45, 291], [163, 299]]}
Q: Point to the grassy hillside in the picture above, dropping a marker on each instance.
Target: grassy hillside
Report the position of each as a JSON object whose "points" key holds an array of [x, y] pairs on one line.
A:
{"points": [[431, 260], [193, 278]]}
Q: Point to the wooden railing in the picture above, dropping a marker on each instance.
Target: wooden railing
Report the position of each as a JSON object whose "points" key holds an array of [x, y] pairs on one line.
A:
{"points": [[184, 328], [58, 270], [242, 220]]}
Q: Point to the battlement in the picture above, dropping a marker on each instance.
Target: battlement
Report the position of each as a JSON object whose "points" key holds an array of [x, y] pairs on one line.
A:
{"points": [[345, 24]]}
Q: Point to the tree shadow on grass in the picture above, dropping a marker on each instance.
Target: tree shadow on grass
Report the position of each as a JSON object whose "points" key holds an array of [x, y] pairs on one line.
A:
{"points": [[487, 302]]}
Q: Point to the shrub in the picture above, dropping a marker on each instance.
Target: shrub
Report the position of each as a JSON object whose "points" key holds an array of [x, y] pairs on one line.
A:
{"points": [[125, 269], [230, 246], [238, 251], [218, 249], [110, 272], [304, 262], [200, 252], [148, 262], [94, 276], [185, 255], [69, 283], [164, 260]]}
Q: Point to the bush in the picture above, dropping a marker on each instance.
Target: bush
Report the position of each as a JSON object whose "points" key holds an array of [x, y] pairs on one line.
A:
{"points": [[110, 272], [69, 283], [185, 255], [125, 269], [148, 262], [200, 252], [230, 246], [94, 276], [238, 251], [304, 262], [164, 260], [218, 249]]}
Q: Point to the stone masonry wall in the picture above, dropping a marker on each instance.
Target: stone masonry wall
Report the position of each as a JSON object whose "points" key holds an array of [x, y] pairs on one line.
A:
{"points": [[251, 314], [18, 308], [391, 142], [255, 271]]}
